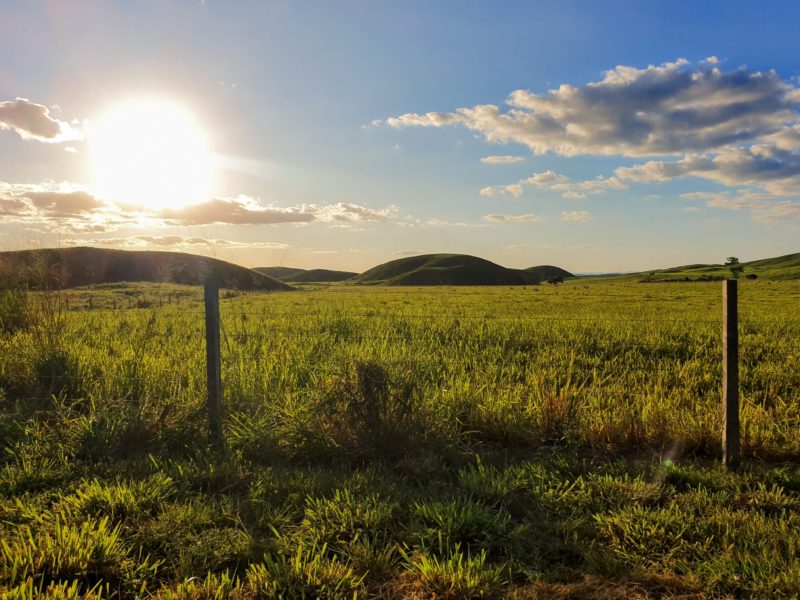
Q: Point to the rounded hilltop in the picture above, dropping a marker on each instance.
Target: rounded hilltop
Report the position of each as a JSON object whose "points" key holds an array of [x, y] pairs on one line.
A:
{"points": [[452, 269]]}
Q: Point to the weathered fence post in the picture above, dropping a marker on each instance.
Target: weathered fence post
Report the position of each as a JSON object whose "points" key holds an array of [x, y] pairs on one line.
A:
{"points": [[213, 362], [730, 374]]}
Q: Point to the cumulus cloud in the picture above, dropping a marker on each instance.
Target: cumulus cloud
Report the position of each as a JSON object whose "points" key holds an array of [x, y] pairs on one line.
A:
{"points": [[512, 218], [244, 210], [349, 212], [64, 204], [788, 138], [576, 215], [550, 180], [58, 205], [762, 207], [234, 211], [34, 122], [546, 179], [444, 223], [769, 167], [672, 108], [502, 160], [514, 189], [170, 241]]}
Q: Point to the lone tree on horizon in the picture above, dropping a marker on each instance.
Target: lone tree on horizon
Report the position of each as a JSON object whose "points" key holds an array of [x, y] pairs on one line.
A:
{"points": [[736, 268]]}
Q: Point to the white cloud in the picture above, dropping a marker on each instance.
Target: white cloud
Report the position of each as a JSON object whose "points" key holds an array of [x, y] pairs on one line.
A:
{"points": [[550, 180], [576, 215], [244, 210], [502, 160], [672, 108], [512, 218], [33, 121], [546, 179], [773, 169], [514, 189], [171, 241], [444, 223], [761, 207], [788, 138], [350, 212]]}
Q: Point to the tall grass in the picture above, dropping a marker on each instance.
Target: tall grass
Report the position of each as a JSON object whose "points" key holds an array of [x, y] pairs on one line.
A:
{"points": [[388, 442]]}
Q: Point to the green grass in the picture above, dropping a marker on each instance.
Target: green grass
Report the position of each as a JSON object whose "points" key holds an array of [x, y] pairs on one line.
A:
{"points": [[780, 268], [558, 441]]}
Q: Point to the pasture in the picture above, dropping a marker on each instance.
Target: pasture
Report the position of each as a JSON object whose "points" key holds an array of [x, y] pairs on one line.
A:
{"points": [[549, 441]]}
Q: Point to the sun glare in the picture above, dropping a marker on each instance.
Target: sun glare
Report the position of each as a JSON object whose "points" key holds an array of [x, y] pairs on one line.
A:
{"points": [[150, 153]]}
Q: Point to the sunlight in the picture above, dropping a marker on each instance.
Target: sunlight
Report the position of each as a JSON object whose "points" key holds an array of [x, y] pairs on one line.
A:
{"points": [[150, 153]]}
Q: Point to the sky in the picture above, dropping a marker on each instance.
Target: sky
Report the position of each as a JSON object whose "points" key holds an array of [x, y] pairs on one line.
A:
{"points": [[597, 136]]}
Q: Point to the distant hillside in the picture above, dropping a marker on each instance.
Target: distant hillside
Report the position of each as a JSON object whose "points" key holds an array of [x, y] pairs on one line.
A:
{"points": [[441, 269], [778, 268], [545, 272], [278, 272], [290, 275], [73, 267]]}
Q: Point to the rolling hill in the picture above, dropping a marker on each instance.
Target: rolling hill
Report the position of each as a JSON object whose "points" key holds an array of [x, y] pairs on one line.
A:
{"points": [[291, 275], [545, 272], [74, 267], [448, 269], [777, 268]]}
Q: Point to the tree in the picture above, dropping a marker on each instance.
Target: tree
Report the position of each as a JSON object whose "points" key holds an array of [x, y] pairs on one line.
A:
{"points": [[736, 268]]}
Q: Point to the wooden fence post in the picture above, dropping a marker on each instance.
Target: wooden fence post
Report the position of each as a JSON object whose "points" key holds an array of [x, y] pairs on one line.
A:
{"points": [[213, 362], [730, 374]]}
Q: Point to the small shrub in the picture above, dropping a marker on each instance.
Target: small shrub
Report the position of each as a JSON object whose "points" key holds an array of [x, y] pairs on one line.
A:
{"points": [[456, 576], [460, 522], [306, 573], [91, 551], [16, 312], [121, 500], [369, 412], [345, 516]]}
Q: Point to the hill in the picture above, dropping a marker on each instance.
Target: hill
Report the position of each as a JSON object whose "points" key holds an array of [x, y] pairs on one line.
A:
{"points": [[278, 272], [545, 272], [777, 268], [291, 275], [441, 269], [73, 267]]}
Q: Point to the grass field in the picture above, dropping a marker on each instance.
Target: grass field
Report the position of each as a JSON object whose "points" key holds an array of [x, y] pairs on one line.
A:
{"points": [[554, 442]]}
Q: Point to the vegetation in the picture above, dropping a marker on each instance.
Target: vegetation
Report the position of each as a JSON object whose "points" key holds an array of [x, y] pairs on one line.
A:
{"points": [[453, 269], [74, 267], [780, 268], [291, 275], [545, 272], [401, 442]]}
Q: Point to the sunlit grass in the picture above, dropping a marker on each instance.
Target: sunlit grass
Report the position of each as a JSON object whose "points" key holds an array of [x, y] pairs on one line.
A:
{"points": [[388, 442]]}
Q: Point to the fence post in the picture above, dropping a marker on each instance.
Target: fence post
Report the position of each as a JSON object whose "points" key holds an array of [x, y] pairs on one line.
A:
{"points": [[730, 374], [213, 362]]}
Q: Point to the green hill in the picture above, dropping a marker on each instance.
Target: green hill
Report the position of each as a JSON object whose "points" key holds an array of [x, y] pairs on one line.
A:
{"points": [[778, 268], [290, 275], [545, 272], [73, 267], [441, 269], [279, 273]]}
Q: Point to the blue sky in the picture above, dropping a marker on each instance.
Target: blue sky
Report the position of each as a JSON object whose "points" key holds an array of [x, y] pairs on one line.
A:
{"points": [[337, 139]]}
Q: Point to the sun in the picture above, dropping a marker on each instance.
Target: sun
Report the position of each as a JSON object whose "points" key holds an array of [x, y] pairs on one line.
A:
{"points": [[150, 153]]}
